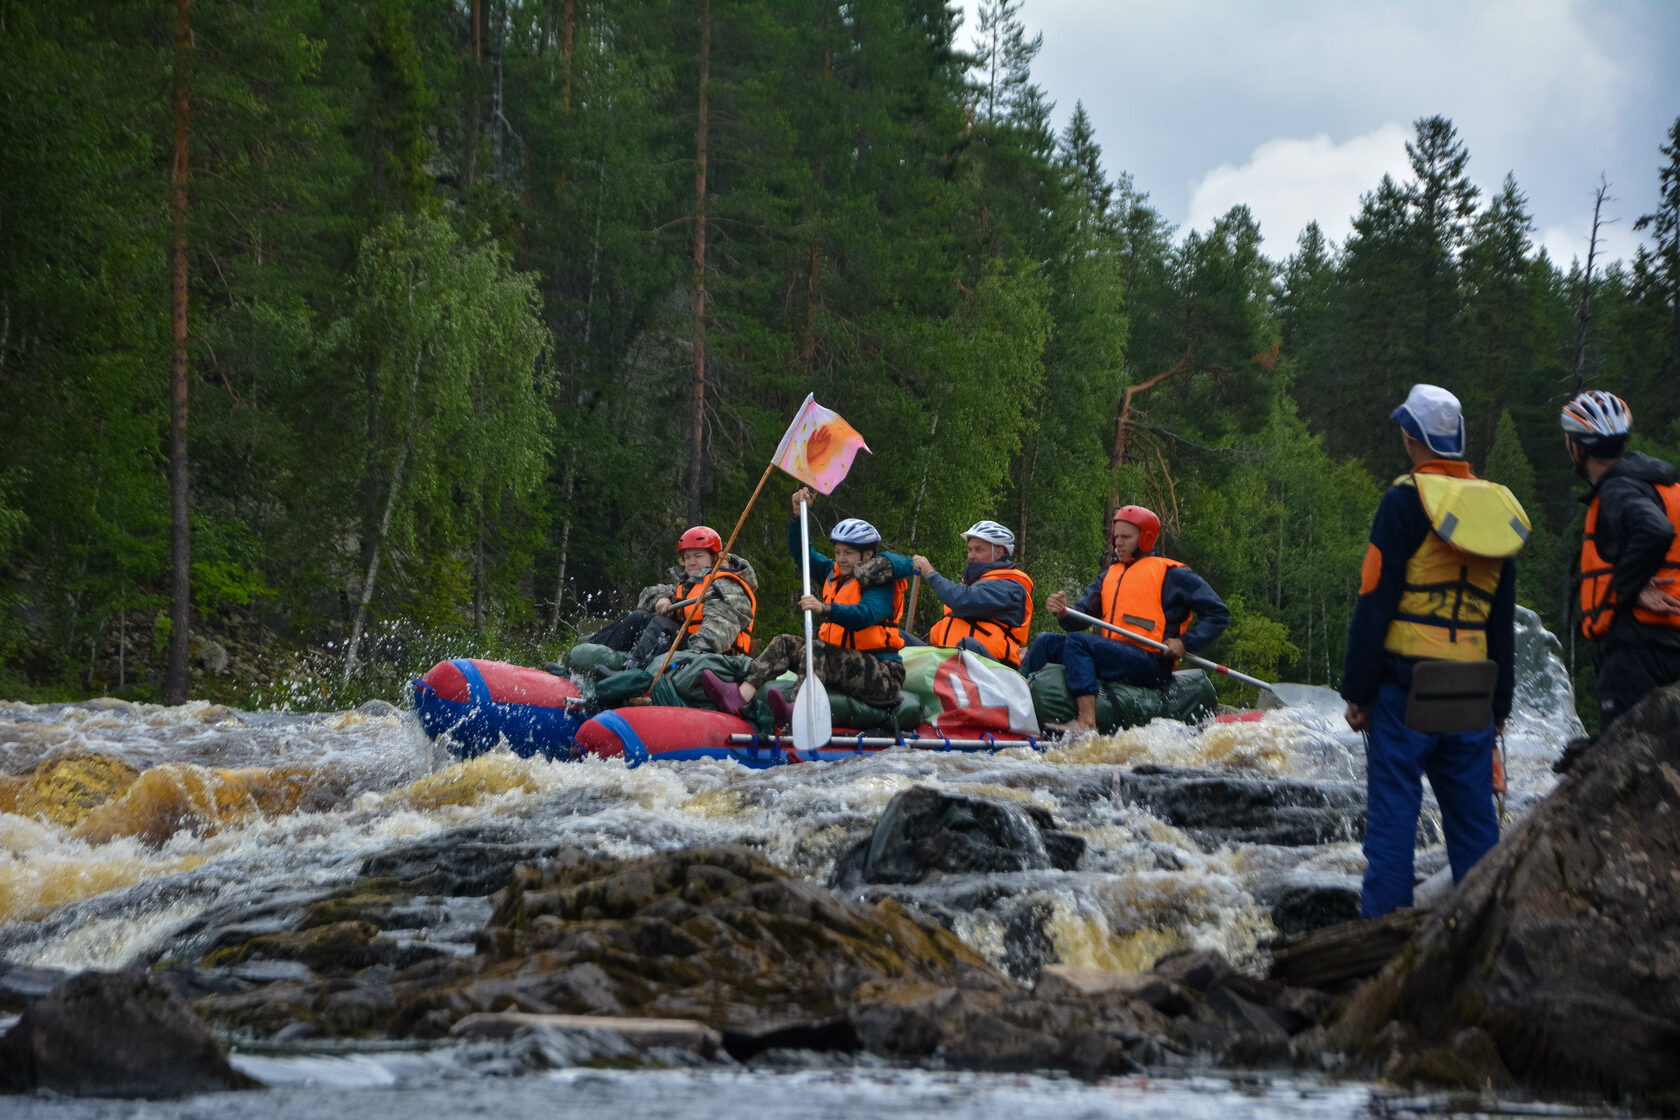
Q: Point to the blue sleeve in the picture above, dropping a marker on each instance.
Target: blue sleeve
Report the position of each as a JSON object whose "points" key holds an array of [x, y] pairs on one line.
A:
{"points": [[820, 564], [874, 605], [1001, 599], [1090, 602], [1396, 533], [902, 567], [1184, 593]]}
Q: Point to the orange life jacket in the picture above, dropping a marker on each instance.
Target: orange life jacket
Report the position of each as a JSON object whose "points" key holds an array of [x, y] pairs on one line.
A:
{"points": [[1131, 597], [695, 614], [882, 635], [1598, 603], [1002, 642]]}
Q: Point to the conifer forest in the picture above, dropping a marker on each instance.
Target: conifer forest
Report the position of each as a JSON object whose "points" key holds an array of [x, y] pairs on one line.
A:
{"points": [[339, 338]]}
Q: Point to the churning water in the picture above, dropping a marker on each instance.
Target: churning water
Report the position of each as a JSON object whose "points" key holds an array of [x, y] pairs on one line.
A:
{"points": [[123, 825]]}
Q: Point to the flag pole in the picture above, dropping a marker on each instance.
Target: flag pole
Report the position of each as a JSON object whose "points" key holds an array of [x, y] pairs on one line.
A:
{"points": [[682, 631]]}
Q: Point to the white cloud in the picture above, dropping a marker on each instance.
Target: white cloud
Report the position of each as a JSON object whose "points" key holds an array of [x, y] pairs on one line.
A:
{"points": [[1288, 183]]}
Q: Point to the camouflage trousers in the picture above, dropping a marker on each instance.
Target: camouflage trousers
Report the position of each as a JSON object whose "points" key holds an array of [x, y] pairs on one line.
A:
{"points": [[869, 678]]}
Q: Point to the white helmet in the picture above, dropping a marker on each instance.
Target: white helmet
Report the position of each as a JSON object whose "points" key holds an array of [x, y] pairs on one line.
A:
{"points": [[992, 533], [1596, 417], [856, 532]]}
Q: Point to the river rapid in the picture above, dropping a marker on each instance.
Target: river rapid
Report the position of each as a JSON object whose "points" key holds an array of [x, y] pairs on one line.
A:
{"points": [[122, 826]]}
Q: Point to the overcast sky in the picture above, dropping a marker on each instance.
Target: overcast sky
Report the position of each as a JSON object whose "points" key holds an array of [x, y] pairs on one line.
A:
{"points": [[1298, 107]]}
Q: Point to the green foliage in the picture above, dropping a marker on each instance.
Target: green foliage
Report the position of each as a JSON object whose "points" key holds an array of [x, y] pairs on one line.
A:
{"points": [[1255, 644], [442, 289]]}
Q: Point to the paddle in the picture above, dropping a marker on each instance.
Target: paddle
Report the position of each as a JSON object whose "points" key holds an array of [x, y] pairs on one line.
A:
{"points": [[1153, 644], [813, 721], [909, 622]]}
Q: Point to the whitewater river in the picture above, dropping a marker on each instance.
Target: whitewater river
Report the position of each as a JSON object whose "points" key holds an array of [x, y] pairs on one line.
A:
{"points": [[163, 815]]}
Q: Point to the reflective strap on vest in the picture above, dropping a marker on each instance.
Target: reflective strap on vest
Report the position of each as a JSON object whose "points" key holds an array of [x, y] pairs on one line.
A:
{"points": [[1444, 605], [1131, 597]]}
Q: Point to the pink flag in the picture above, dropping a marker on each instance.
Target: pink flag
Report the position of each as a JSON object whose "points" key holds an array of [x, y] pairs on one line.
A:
{"points": [[819, 447]]}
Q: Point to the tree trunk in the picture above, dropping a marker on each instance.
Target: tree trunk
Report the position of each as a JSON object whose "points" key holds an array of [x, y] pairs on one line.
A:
{"points": [[372, 576], [180, 592], [496, 133], [1582, 316], [568, 24], [698, 411]]}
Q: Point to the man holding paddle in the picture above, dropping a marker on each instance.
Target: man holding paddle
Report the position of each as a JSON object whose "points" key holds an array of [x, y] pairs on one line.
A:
{"points": [[1161, 600], [1430, 650]]}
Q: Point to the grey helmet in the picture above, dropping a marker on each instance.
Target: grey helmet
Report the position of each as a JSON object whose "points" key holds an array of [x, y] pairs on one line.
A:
{"points": [[856, 532], [992, 533]]}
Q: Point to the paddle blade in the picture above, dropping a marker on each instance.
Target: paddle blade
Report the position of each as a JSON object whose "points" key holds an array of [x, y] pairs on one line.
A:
{"points": [[813, 721]]}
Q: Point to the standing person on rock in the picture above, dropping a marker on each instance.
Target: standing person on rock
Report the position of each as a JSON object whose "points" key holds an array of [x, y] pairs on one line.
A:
{"points": [[1433, 588], [990, 610], [858, 605], [1161, 599], [1630, 554], [719, 621]]}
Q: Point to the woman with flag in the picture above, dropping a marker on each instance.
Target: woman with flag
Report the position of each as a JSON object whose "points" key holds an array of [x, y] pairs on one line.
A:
{"points": [[856, 651]]}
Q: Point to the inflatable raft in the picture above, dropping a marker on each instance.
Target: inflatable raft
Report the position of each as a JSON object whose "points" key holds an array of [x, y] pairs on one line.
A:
{"points": [[951, 701], [479, 704], [655, 734]]}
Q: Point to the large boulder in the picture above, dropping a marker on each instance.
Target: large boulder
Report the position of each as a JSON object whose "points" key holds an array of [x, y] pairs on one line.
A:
{"points": [[1555, 964], [923, 831], [114, 1034]]}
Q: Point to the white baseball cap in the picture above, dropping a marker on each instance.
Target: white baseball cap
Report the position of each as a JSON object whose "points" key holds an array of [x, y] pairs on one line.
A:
{"points": [[1432, 415]]}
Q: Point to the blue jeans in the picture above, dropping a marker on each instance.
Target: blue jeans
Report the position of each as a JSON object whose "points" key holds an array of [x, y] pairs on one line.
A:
{"points": [[1460, 769], [1088, 659]]}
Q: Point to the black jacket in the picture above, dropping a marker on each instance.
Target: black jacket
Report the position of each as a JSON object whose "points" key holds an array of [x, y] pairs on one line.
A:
{"points": [[1633, 535]]}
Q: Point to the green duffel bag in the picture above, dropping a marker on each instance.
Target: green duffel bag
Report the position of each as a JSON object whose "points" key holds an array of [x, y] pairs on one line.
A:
{"points": [[680, 687], [621, 687], [852, 713], [1188, 698], [1054, 704], [585, 656]]}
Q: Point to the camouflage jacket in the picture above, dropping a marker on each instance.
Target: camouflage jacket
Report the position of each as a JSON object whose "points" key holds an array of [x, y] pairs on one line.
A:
{"points": [[727, 609]]}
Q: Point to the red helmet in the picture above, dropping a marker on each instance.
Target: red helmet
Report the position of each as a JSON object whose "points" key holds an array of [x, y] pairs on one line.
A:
{"points": [[1149, 526], [700, 536]]}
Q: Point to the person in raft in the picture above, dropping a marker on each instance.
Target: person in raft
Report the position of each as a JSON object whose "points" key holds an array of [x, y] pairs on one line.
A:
{"points": [[1422, 599], [719, 621], [858, 607], [990, 610], [1158, 598]]}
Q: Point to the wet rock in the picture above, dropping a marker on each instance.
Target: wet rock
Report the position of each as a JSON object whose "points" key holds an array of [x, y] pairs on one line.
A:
{"points": [[474, 861], [338, 947], [114, 1034], [1560, 945], [1218, 809], [1305, 906], [23, 984], [923, 831], [377, 709]]}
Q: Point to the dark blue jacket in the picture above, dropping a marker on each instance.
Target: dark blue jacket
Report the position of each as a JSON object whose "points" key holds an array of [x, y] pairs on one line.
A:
{"points": [[1002, 600], [1183, 593], [1398, 530]]}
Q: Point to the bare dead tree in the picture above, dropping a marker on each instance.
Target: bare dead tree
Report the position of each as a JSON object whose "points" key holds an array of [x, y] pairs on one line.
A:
{"points": [[1583, 316]]}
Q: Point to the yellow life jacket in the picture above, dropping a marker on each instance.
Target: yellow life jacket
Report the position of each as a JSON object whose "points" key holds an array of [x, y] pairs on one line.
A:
{"points": [[882, 635], [694, 615], [1131, 597], [1598, 603], [1448, 595], [1002, 642]]}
